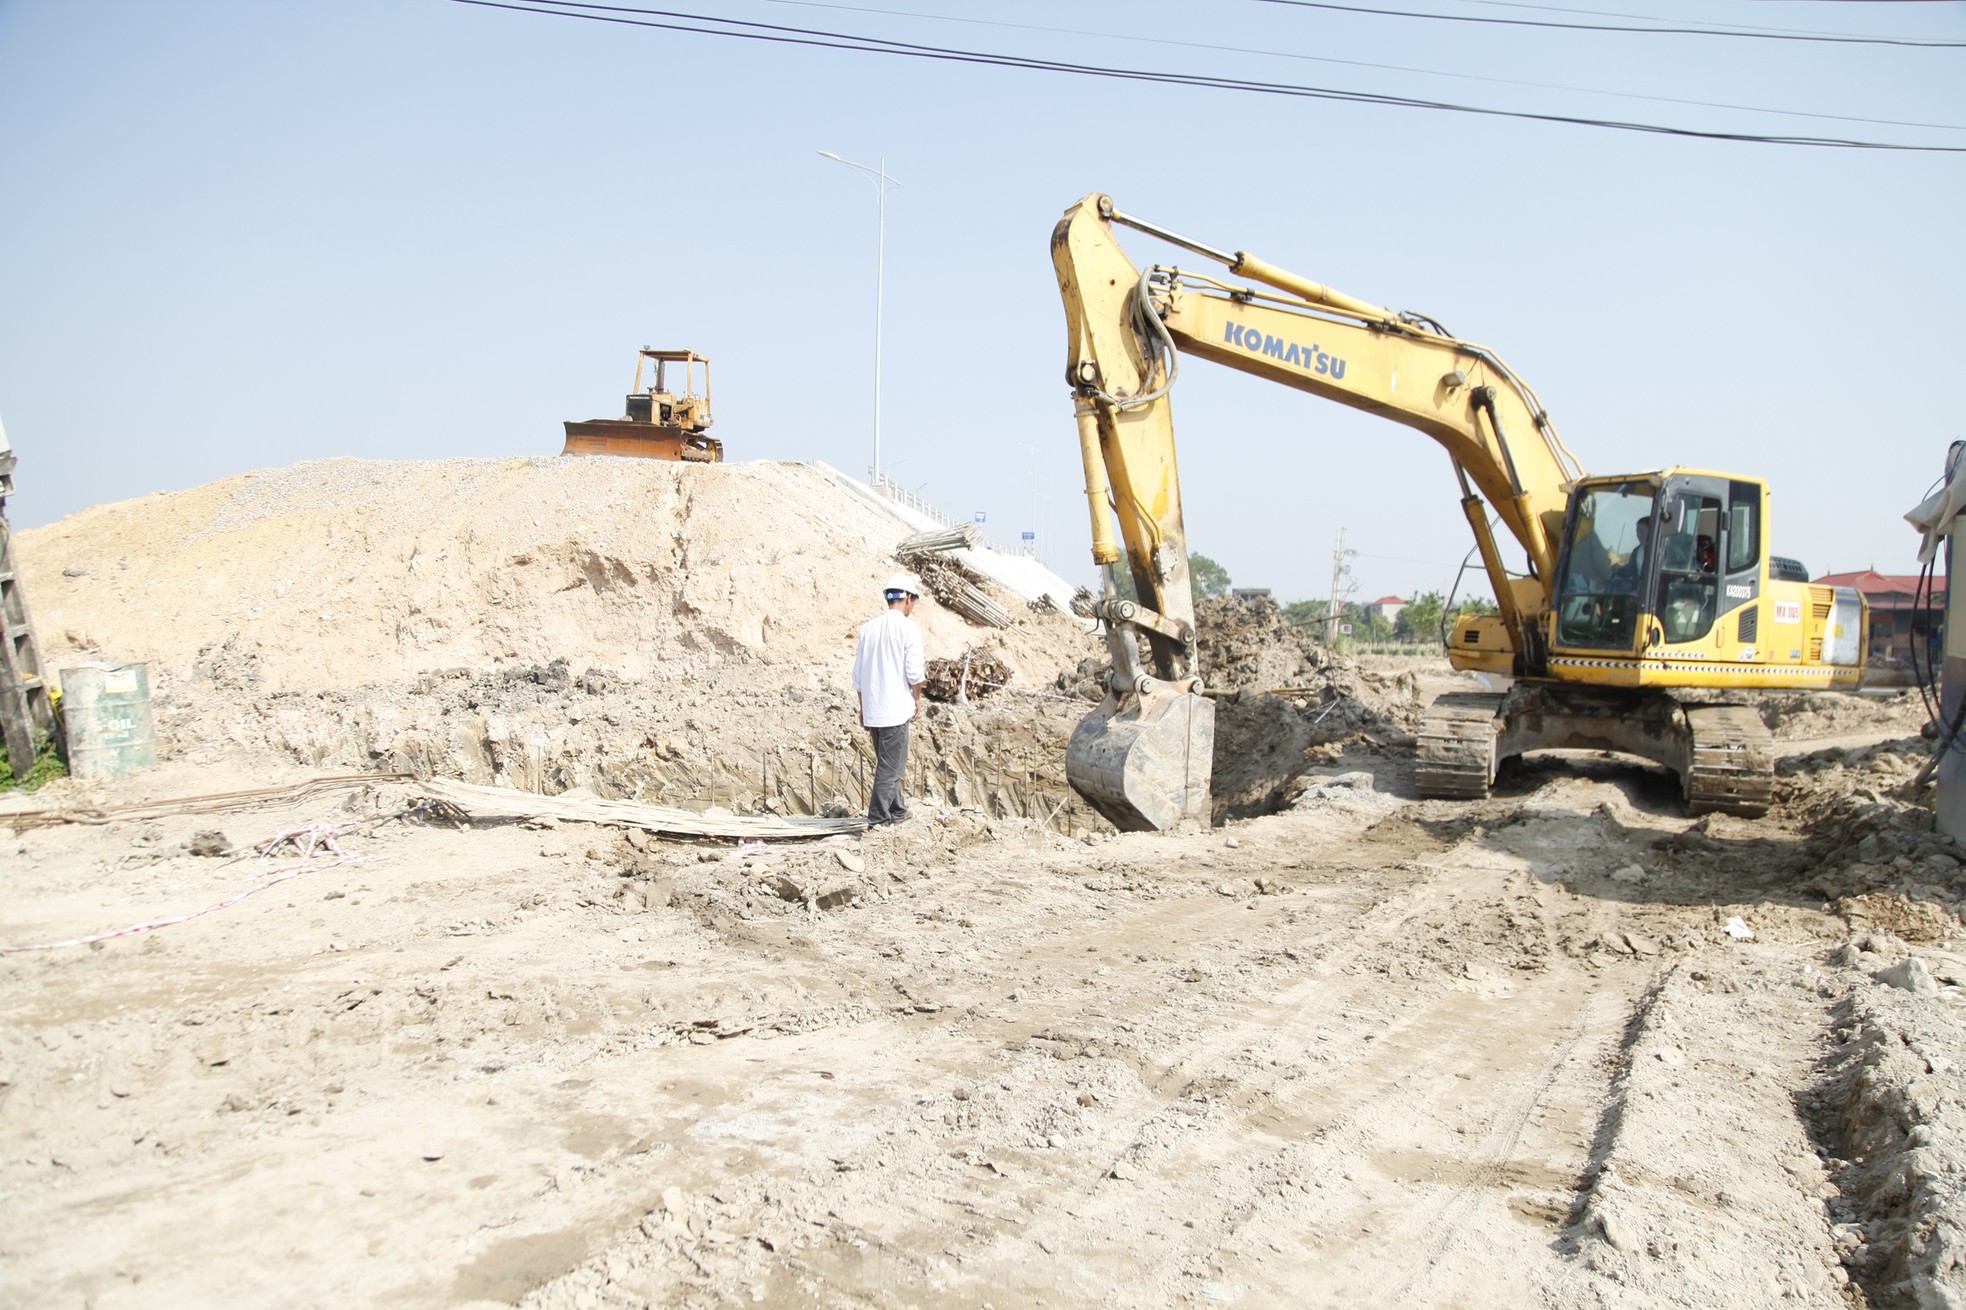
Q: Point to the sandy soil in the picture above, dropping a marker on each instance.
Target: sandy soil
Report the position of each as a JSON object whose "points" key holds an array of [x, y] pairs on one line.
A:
{"points": [[1368, 1050], [337, 573], [1563, 1048]]}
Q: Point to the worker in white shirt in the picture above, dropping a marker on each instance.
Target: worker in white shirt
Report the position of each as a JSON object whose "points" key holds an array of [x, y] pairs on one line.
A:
{"points": [[887, 677]]}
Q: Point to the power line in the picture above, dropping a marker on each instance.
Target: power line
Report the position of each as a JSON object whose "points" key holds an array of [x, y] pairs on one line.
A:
{"points": [[1744, 34], [1401, 559], [1643, 18], [781, 35], [1362, 63]]}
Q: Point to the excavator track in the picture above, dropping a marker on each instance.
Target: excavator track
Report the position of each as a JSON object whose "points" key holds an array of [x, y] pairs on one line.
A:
{"points": [[1732, 769], [1457, 746]]}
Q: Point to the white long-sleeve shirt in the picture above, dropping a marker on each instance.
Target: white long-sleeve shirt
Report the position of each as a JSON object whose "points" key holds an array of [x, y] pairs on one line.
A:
{"points": [[887, 667]]}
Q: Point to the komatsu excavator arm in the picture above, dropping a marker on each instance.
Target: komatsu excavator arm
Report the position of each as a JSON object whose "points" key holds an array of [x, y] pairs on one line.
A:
{"points": [[1127, 331]]}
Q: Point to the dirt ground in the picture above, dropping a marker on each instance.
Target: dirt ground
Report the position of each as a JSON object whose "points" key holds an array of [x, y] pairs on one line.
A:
{"points": [[1566, 1047], [1366, 1050]]}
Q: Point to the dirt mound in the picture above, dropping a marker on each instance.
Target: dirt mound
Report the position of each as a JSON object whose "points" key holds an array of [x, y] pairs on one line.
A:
{"points": [[1248, 646], [1821, 775], [342, 573], [1320, 697], [1871, 847], [1865, 840], [1284, 701], [1801, 716], [1898, 1136], [635, 627]]}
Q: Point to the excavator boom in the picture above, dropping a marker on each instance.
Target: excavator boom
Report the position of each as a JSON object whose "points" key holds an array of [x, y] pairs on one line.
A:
{"points": [[1144, 757]]}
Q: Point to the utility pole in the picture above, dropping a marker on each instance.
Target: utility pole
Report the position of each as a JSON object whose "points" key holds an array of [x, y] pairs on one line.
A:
{"points": [[1037, 528], [1339, 589]]}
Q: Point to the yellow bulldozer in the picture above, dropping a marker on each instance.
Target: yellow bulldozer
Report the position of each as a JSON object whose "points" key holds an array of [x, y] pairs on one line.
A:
{"points": [[660, 421], [1621, 589]]}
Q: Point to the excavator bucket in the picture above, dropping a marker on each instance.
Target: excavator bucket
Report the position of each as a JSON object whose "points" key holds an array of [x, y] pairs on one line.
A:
{"points": [[1144, 760]]}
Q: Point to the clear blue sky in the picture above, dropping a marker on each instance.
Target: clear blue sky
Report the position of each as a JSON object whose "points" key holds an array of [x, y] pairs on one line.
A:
{"points": [[239, 235]]}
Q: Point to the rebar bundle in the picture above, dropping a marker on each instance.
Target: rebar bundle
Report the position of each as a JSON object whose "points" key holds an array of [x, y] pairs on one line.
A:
{"points": [[955, 587]]}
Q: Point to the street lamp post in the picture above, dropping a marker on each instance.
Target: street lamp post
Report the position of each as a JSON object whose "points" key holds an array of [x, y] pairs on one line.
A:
{"points": [[878, 176], [1037, 528]]}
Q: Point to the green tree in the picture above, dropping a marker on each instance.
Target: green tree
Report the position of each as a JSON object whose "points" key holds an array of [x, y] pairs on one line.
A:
{"points": [[1477, 606], [1419, 621], [1307, 613], [1206, 577]]}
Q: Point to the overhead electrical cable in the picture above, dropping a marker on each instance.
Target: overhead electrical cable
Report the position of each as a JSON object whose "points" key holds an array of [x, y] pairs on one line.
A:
{"points": [[1643, 18], [780, 35], [1743, 34], [1363, 63]]}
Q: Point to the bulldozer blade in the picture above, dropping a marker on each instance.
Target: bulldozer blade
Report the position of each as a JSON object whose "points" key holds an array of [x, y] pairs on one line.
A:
{"points": [[641, 441], [1144, 762]]}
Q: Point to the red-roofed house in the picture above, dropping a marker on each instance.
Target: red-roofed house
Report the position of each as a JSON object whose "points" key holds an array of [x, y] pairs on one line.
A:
{"points": [[1387, 608], [1896, 620]]}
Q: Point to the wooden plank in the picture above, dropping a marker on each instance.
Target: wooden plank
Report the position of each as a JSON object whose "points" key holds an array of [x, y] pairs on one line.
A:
{"points": [[505, 802]]}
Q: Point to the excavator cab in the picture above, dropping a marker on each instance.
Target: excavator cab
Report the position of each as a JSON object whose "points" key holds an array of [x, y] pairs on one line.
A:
{"points": [[1604, 566], [1687, 590], [1651, 564]]}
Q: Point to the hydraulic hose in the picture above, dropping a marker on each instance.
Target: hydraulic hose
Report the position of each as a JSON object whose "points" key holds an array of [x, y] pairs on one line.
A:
{"points": [[1930, 687], [1157, 346]]}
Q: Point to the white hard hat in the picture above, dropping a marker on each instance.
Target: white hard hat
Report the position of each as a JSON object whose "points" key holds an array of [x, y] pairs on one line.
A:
{"points": [[907, 582]]}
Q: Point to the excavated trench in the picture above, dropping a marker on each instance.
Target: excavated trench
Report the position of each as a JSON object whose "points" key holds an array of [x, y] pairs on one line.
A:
{"points": [[738, 743], [813, 780]]}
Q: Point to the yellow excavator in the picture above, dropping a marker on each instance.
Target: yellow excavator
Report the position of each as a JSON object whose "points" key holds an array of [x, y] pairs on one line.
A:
{"points": [[1627, 586]]}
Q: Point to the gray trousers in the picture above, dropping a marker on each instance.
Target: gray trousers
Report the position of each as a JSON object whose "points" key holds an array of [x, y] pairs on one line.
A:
{"points": [[890, 760]]}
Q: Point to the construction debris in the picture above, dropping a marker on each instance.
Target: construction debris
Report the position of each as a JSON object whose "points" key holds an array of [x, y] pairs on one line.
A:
{"points": [[948, 579], [956, 587], [455, 801], [505, 802], [940, 539], [973, 675], [21, 817]]}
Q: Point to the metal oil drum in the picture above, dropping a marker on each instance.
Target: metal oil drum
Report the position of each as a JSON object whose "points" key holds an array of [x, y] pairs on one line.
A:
{"points": [[106, 713]]}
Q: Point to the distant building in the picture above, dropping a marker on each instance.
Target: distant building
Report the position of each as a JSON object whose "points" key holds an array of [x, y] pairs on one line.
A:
{"points": [[1896, 620], [1250, 593], [1387, 608]]}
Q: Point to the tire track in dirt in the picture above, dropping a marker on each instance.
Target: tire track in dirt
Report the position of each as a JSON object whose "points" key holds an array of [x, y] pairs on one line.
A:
{"points": [[979, 1049], [1377, 1085], [1262, 1105], [1317, 1118]]}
